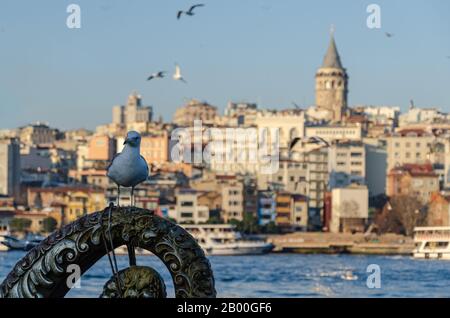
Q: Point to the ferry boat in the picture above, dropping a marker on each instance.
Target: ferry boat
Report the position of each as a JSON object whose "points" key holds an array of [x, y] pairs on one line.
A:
{"points": [[432, 243], [223, 239]]}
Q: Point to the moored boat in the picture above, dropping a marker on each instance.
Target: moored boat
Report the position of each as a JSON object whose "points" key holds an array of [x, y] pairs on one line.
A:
{"points": [[432, 243], [223, 239]]}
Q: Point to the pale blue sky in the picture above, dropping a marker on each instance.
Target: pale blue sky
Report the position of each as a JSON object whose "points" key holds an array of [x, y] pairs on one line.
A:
{"points": [[243, 50]]}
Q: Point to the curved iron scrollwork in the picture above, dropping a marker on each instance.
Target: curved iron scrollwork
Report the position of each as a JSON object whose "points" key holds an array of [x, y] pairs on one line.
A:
{"points": [[43, 273]]}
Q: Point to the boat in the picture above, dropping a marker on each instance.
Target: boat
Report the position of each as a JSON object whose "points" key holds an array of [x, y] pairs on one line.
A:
{"points": [[432, 242], [26, 244], [223, 239]]}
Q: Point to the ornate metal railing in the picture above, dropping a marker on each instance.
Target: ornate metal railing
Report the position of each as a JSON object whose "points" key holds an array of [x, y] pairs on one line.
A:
{"points": [[43, 271]]}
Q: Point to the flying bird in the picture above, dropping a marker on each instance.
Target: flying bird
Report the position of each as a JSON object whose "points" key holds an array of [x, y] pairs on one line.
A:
{"points": [[190, 12], [191, 9], [156, 75], [309, 140], [128, 168], [296, 105], [389, 35], [177, 76]]}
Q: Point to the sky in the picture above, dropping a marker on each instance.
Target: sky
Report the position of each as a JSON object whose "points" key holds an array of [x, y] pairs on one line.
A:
{"points": [[262, 51]]}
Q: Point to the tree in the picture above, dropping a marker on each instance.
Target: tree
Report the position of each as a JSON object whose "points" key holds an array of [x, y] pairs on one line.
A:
{"points": [[249, 224], [401, 215], [214, 220], [19, 224], [49, 224], [271, 228]]}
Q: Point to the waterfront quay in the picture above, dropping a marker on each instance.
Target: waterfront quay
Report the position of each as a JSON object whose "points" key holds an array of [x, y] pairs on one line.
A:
{"points": [[337, 243]]}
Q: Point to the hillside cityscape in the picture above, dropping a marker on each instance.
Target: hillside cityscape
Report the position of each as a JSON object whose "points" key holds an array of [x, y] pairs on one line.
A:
{"points": [[330, 167]]}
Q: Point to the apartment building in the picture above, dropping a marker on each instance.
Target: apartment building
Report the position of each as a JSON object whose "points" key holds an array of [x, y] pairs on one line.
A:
{"points": [[187, 208], [418, 180], [73, 202], [335, 132], [349, 209], [408, 146], [195, 110], [10, 167], [347, 158]]}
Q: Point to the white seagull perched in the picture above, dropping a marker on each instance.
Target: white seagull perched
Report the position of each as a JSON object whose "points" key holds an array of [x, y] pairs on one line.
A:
{"points": [[177, 76], [128, 168]]}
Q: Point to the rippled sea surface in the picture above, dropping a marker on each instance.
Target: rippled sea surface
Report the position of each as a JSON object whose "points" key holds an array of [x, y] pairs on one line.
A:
{"points": [[289, 275]]}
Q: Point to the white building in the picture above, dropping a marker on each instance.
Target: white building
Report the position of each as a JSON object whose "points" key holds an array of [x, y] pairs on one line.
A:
{"points": [[132, 112], [335, 132], [349, 209], [348, 158], [421, 115], [382, 115], [10, 167], [289, 123], [187, 208]]}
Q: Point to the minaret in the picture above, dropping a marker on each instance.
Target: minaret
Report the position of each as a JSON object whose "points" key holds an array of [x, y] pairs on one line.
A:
{"points": [[332, 83]]}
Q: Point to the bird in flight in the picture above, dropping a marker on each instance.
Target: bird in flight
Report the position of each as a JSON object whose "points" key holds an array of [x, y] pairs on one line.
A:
{"points": [[156, 75], [128, 168], [177, 76], [389, 35], [296, 105], [309, 140], [190, 12]]}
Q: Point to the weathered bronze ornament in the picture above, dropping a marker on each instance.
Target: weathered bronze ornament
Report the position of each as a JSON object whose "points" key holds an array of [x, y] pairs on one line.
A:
{"points": [[43, 271], [137, 282]]}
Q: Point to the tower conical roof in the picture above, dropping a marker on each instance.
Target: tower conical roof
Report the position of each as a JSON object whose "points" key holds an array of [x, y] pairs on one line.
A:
{"points": [[332, 58]]}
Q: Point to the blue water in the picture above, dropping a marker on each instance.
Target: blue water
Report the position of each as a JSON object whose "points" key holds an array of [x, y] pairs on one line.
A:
{"points": [[289, 275]]}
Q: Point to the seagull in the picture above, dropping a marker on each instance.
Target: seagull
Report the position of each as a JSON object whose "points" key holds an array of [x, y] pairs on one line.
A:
{"points": [[156, 75], [128, 168], [389, 35], [296, 105], [309, 140], [190, 12], [177, 76]]}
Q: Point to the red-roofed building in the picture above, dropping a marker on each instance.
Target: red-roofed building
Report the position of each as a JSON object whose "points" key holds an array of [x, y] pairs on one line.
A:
{"points": [[418, 180]]}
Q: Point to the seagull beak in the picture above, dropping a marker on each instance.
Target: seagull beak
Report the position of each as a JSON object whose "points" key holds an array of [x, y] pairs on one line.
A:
{"points": [[125, 142]]}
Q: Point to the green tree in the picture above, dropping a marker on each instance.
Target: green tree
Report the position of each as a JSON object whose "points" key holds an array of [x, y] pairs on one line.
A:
{"points": [[249, 224], [214, 220], [19, 224], [271, 228], [49, 224]]}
